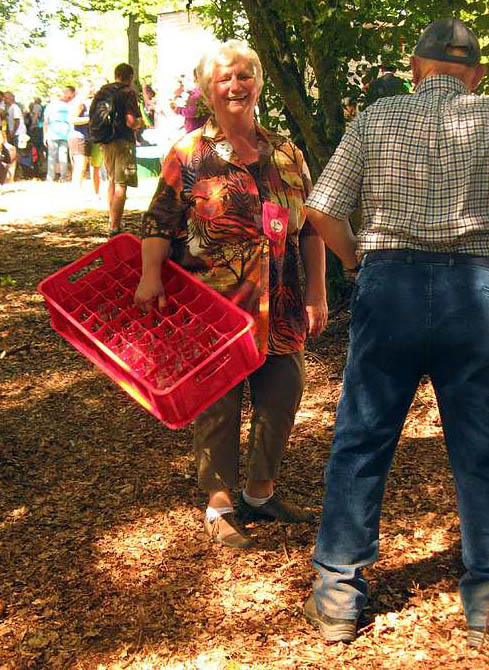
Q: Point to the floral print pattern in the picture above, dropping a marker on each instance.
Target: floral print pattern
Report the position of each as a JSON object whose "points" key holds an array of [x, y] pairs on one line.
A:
{"points": [[210, 205]]}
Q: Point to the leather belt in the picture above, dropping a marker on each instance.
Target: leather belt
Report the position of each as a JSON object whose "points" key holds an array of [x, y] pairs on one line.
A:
{"points": [[414, 256]]}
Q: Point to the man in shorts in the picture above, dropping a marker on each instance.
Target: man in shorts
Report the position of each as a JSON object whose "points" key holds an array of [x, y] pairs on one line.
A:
{"points": [[120, 154]]}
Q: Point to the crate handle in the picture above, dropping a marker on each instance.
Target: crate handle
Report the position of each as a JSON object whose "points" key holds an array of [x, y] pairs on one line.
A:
{"points": [[212, 368]]}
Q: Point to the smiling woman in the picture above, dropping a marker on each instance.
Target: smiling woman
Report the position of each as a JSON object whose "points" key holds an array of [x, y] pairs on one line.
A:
{"points": [[231, 201]]}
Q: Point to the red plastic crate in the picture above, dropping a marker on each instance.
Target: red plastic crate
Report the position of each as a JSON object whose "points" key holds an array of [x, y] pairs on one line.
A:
{"points": [[175, 363]]}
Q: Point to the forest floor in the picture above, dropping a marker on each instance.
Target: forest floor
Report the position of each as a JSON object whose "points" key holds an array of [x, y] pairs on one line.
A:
{"points": [[103, 561]]}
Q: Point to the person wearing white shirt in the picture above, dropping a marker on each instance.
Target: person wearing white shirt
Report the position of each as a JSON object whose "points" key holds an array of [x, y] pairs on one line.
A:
{"points": [[15, 119]]}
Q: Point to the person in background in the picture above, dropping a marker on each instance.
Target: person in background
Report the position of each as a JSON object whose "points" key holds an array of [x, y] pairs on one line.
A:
{"points": [[56, 129], [96, 163], [217, 193], [16, 130], [386, 85], [194, 110], [420, 307], [36, 134], [120, 154], [8, 153], [350, 108], [15, 119], [27, 117], [78, 142], [149, 104], [96, 157]]}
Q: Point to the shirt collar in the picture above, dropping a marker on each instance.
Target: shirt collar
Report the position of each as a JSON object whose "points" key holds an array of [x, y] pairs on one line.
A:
{"points": [[441, 82], [267, 140]]}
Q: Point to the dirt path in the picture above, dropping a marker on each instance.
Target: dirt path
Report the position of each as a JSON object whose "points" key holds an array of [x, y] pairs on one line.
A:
{"points": [[104, 564]]}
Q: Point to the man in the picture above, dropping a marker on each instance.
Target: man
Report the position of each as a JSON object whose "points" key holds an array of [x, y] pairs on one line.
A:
{"points": [[421, 306], [15, 131], [36, 133], [120, 154], [56, 127], [386, 85], [15, 119]]}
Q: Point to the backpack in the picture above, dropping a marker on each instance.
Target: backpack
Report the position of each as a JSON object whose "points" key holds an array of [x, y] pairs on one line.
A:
{"points": [[104, 115]]}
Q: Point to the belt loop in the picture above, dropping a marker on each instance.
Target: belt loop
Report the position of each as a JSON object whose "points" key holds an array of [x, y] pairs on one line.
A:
{"points": [[451, 260], [410, 259]]}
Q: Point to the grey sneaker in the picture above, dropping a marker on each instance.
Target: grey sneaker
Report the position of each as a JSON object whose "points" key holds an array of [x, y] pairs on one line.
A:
{"points": [[224, 530], [332, 630], [476, 635]]}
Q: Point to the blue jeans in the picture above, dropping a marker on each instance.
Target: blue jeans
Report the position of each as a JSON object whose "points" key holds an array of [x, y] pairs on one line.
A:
{"points": [[421, 314], [57, 153]]}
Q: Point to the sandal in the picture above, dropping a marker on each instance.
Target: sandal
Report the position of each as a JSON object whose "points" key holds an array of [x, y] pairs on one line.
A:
{"points": [[115, 231]]}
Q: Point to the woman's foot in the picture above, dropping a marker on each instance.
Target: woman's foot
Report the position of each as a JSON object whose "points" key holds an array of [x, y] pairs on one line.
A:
{"points": [[224, 529]]}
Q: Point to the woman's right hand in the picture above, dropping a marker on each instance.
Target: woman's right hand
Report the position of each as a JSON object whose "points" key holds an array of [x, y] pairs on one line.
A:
{"points": [[147, 291]]}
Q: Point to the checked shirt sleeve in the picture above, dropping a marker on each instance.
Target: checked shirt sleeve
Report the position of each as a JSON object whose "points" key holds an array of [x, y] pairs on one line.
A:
{"points": [[337, 190]]}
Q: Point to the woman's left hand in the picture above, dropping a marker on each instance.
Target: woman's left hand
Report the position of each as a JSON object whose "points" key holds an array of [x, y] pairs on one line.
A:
{"points": [[317, 313]]}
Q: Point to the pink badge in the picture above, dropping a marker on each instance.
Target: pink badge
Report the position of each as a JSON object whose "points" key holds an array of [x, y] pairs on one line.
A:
{"points": [[274, 221]]}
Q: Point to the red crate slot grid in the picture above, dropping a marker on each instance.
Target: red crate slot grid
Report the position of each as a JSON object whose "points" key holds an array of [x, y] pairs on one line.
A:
{"points": [[175, 362]]}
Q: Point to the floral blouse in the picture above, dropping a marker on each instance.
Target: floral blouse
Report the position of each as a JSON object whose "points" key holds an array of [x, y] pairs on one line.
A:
{"points": [[210, 204]]}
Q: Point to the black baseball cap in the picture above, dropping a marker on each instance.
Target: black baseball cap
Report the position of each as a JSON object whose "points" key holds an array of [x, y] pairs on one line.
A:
{"points": [[437, 39]]}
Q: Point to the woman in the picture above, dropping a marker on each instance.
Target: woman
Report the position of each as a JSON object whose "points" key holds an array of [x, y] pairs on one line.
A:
{"points": [[78, 140], [217, 186]]}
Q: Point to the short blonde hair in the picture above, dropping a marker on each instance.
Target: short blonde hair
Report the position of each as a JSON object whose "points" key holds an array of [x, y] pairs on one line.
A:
{"points": [[227, 53]]}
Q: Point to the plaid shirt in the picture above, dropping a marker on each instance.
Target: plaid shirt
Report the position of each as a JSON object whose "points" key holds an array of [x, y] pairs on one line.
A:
{"points": [[419, 165]]}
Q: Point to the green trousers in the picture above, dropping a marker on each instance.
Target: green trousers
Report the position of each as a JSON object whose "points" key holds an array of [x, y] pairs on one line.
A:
{"points": [[276, 390]]}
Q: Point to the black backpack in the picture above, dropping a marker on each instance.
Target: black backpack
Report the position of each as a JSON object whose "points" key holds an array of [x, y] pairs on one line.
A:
{"points": [[103, 114]]}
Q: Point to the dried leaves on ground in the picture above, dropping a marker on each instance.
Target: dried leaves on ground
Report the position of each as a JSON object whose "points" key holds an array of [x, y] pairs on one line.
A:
{"points": [[103, 560]]}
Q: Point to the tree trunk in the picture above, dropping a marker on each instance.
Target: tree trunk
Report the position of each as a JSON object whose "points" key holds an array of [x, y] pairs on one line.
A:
{"points": [[133, 46], [272, 45], [322, 132]]}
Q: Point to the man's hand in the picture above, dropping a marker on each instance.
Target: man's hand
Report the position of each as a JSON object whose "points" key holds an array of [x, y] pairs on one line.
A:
{"points": [[148, 290], [317, 312]]}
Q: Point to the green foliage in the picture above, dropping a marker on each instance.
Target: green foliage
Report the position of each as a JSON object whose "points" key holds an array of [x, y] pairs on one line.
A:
{"points": [[7, 11], [346, 40], [6, 281]]}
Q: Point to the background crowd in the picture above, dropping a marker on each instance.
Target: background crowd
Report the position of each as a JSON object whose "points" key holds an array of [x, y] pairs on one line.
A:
{"points": [[48, 139]]}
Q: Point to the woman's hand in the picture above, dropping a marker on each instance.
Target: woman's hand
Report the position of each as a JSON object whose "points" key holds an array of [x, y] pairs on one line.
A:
{"points": [[314, 258], [317, 312], [149, 289], [154, 252]]}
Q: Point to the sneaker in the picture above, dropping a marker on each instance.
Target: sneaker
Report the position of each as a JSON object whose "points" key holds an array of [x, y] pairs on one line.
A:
{"points": [[332, 629], [273, 510], [224, 530], [476, 635]]}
